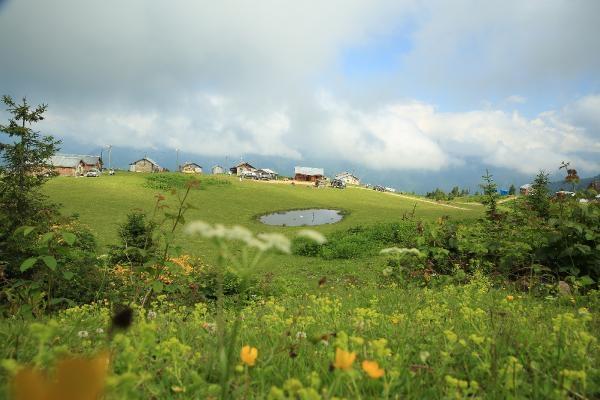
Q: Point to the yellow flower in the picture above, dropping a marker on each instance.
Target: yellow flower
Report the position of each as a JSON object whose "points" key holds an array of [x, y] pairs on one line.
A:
{"points": [[372, 369], [344, 359], [248, 355], [510, 298], [75, 379]]}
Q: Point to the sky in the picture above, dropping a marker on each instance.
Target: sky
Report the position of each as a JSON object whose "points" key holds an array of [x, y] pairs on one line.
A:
{"points": [[410, 94]]}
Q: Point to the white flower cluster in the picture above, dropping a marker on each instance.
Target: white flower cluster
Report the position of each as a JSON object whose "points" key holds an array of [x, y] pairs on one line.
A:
{"points": [[397, 250], [312, 235], [262, 241]]}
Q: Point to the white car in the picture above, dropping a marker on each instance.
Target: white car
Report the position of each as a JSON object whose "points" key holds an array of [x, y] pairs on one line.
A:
{"points": [[93, 173]]}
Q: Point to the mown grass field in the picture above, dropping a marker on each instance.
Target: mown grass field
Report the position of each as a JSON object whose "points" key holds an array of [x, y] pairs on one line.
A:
{"points": [[103, 203]]}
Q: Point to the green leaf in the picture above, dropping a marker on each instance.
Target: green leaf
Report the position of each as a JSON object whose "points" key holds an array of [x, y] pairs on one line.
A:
{"points": [[27, 230], [68, 275], [47, 237], [30, 262], [50, 262], [69, 238], [157, 286]]}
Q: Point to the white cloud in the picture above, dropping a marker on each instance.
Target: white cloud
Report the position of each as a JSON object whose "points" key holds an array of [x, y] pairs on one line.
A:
{"points": [[408, 135], [413, 135]]}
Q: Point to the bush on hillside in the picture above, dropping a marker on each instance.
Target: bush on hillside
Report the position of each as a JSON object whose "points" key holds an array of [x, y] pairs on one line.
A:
{"points": [[360, 241], [172, 181], [137, 243]]}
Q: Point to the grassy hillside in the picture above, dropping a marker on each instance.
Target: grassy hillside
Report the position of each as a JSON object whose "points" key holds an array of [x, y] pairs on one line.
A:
{"points": [[103, 203]]}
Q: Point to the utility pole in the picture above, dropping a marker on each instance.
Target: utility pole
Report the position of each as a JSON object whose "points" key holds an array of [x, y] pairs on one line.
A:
{"points": [[177, 151], [109, 151]]}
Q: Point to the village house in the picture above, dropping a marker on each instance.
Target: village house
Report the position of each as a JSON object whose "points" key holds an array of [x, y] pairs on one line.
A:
{"points": [[348, 178], [242, 168], [73, 164], [526, 189], [308, 174], [191, 168], [266, 173], [217, 169], [145, 165]]}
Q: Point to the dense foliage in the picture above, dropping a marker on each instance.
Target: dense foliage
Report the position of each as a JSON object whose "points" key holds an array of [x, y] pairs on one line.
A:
{"points": [[167, 182]]}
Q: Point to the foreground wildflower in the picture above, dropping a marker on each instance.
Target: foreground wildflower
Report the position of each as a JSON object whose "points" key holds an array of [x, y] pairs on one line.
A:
{"points": [[510, 298], [397, 250], [372, 369], [261, 242], [248, 355], [344, 359], [315, 236], [74, 379]]}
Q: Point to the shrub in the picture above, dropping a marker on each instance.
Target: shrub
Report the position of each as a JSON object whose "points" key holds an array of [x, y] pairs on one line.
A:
{"points": [[360, 241], [302, 246], [171, 181], [137, 242]]}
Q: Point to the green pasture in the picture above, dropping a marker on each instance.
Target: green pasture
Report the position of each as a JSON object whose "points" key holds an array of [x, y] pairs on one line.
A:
{"points": [[103, 203]]}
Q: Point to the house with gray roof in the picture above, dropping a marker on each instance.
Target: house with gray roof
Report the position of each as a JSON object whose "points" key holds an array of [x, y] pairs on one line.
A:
{"points": [[74, 164], [145, 164]]}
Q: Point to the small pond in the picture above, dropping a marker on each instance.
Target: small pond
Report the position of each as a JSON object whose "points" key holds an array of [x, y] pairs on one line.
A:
{"points": [[302, 217]]}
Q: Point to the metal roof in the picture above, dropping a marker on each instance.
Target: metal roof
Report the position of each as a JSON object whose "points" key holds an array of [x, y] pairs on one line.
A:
{"points": [[147, 159], [268, 171], [343, 174], [191, 163], [309, 171], [72, 160]]}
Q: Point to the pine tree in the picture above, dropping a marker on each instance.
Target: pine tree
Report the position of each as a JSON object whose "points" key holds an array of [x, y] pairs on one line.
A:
{"points": [[24, 167], [539, 199], [512, 190], [490, 195]]}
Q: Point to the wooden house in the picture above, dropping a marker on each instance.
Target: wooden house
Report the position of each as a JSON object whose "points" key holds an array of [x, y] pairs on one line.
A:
{"points": [[526, 189], [191, 168], [145, 164], [308, 174], [73, 164], [217, 169], [242, 168], [348, 178]]}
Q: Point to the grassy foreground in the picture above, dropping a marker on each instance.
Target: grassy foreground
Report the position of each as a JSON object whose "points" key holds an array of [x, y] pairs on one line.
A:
{"points": [[468, 341], [355, 335]]}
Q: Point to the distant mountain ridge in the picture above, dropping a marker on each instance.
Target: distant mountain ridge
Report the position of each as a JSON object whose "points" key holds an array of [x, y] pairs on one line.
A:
{"points": [[582, 185]]}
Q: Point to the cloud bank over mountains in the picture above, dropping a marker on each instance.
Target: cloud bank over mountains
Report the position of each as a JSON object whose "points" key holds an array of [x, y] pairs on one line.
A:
{"points": [[506, 83]]}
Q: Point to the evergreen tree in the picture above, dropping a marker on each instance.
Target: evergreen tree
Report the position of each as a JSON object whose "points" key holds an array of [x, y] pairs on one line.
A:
{"points": [[512, 190], [539, 199], [490, 195], [24, 166]]}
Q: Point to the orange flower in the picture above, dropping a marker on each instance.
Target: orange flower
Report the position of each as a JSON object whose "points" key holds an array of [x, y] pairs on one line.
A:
{"points": [[75, 379], [372, 369], [344, 359], [248, 355], [510, 298]]}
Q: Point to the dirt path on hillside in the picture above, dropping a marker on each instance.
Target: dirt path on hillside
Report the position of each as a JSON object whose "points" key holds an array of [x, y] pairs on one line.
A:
{"points": [[435, 203]]}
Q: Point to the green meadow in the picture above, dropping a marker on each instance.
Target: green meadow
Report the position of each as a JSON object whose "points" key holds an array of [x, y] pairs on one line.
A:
{"points": [[103, 203], [316, 322]]}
